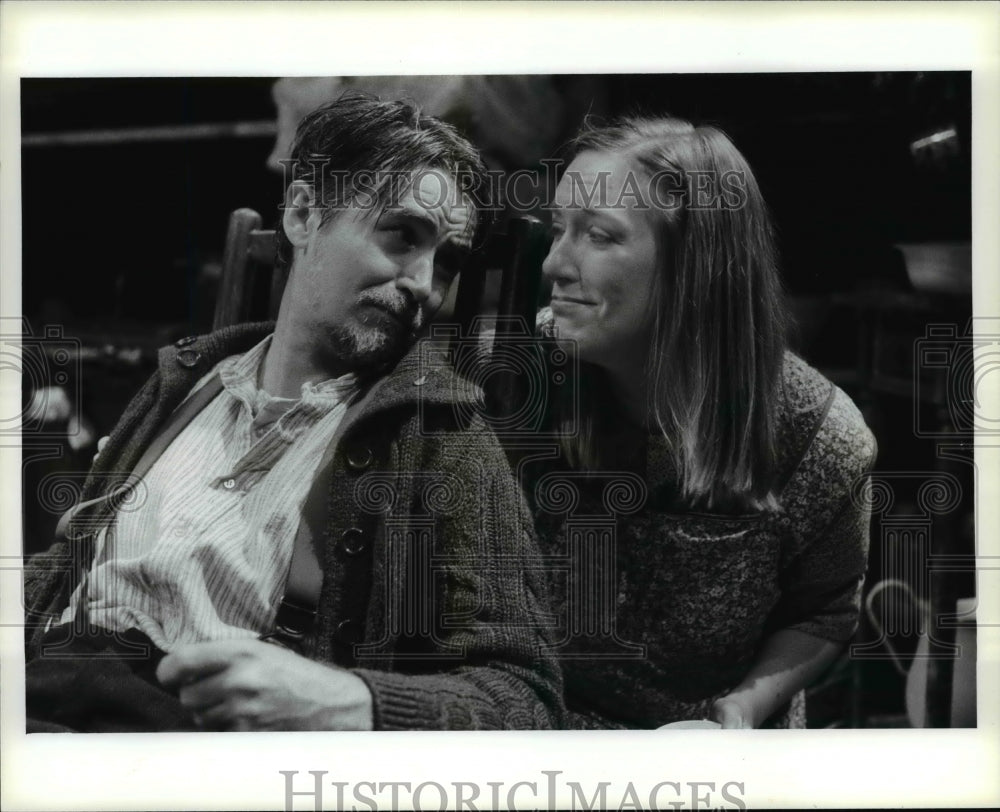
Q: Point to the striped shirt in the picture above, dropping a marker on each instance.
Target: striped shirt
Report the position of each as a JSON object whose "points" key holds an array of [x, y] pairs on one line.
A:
{"points": [[204, 552]]}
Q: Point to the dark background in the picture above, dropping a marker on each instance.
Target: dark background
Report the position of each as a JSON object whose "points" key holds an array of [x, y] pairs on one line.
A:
{"points": [[122, 230], [123, 234]]}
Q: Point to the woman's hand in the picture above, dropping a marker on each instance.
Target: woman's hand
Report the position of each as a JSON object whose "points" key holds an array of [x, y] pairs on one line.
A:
{"points": [[731, 714], [788, 661]]}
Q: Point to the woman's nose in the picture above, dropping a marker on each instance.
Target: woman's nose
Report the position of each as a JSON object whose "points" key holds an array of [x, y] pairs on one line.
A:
{"points": [[559, 262]]}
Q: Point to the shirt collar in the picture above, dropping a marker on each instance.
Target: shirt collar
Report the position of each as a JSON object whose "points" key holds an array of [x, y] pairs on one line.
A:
{"points": [[240, 375]]}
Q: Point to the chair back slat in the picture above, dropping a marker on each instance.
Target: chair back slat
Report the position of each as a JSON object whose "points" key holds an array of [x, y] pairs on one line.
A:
{"points": [[515, 356], [249, 251], [233, 299], [527, 243], [261, 245], [517, 250]]}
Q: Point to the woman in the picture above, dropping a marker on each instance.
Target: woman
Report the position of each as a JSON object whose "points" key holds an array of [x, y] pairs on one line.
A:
{"points": [[708, 547]]}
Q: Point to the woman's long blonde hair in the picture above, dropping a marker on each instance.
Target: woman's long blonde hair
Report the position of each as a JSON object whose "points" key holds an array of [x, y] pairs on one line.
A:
{"points": [[719, 331]]}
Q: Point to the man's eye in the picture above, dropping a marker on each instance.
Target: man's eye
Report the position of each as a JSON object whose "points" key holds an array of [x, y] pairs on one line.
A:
{"points": [[557, 229], [402, 235]]}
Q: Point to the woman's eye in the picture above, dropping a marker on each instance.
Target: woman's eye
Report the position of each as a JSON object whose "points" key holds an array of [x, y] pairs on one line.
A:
{"points": [[599, 237]]}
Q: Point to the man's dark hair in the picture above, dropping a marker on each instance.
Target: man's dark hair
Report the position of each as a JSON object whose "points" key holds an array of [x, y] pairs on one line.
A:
{"points": [[359, 145]]}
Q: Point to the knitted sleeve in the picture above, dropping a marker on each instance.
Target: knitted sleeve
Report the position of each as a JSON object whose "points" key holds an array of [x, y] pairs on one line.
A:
{"points": [[823, 571], [486, 659]]}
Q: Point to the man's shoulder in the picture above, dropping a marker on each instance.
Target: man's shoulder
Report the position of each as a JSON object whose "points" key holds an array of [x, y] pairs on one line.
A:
{"points": [[428, 377], [429, 399], [195, 355]]}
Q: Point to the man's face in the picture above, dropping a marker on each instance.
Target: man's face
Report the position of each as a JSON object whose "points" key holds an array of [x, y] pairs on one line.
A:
{"points": [[365, 282]]}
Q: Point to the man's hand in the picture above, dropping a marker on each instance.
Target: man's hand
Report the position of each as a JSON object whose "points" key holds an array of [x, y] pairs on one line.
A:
{"points": [[252, 685]]}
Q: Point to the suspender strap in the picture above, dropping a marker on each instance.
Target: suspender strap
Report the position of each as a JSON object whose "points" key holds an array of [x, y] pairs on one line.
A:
{"points": [[88, 517], [176, 423], [296, 614]]}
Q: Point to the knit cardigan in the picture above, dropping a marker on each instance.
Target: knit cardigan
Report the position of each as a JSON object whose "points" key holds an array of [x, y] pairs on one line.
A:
{"points": [[431, 590]]}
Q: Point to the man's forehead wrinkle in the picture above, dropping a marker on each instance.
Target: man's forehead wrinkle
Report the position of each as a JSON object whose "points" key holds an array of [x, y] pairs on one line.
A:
{"points": [[432, 196], [460, 237], [427, 216], [433, 219], [458, 233], [447, 223], [431, 200], [457, 217]]}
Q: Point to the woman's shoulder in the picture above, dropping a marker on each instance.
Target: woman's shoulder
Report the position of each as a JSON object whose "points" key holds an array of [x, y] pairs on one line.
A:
{"points": [[804, 387], [832, 441]]}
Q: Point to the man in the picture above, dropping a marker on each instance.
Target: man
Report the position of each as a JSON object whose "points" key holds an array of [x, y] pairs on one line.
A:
{"points": [[329, 537]]}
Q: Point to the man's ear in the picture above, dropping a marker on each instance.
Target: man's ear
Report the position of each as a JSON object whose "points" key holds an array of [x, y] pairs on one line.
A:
{"points": [[300, 204]]}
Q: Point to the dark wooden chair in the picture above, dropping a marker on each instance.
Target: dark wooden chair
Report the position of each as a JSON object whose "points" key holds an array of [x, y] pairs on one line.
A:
{"points": [[516, 250], [248, 264]]}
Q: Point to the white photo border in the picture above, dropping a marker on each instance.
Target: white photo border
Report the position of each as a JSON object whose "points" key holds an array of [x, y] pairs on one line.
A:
{"points": [[839, 768]]}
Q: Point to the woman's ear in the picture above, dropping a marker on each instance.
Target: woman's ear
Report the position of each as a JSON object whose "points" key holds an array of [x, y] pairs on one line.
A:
{"points": [[300, 204]]}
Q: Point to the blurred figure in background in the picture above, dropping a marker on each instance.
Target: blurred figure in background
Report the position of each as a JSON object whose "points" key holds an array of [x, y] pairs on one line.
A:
{"points": [[514, 121]]}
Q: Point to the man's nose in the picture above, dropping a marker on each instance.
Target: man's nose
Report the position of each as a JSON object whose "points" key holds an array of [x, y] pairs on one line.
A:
{"points": [[417, 277]]}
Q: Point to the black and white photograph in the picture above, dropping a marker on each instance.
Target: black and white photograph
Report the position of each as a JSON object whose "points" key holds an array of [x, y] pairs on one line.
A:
{"points": [[612, 405]]}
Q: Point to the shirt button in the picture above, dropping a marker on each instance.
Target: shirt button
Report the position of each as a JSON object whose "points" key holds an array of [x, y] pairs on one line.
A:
{"points": [[229, 484]]}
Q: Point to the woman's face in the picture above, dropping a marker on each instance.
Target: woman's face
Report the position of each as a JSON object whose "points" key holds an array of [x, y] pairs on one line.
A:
{"points": [[602, 264]]}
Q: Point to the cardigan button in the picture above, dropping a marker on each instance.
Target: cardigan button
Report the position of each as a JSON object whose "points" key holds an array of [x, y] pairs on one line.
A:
{"points": [[349, 631], [188, 358], [186, 341], [360, 458], [352, 542]]}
